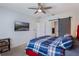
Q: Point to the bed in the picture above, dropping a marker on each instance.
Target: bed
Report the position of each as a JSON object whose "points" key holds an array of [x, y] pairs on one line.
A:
{"points": [[49, 46]]}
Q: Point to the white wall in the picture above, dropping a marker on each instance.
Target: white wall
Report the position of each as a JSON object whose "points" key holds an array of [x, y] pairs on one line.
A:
{"points": [[7, 19]]}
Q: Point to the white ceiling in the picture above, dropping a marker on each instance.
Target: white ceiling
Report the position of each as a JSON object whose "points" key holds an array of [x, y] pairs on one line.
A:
{"points": [[56, 7]]}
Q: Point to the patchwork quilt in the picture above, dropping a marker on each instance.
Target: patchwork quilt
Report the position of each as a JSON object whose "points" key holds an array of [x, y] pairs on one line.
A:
{"points": [[50, 46]]}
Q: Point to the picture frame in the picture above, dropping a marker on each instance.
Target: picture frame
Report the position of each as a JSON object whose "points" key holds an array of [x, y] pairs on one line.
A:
{"points": [[21, 26]]}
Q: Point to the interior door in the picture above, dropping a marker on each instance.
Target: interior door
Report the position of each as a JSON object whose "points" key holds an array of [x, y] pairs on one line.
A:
{"points": [[41, 29]]}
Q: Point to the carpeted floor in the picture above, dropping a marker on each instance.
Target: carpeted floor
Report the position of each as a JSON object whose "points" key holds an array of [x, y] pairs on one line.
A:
{"points": [[74, 51], [20, 51]]}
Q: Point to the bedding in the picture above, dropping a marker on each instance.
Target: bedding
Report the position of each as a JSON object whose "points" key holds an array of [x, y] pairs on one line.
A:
{"points": [[50, 46]]}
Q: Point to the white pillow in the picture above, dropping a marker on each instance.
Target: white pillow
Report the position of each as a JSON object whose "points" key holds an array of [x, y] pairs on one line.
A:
{"points": [[66, 35]]}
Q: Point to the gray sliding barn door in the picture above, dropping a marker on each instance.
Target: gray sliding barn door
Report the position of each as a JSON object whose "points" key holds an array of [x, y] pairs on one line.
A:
{"points": [[64, 25]]}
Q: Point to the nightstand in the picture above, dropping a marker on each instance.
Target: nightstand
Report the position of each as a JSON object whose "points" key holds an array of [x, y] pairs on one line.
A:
{"points": [[4, 45]]}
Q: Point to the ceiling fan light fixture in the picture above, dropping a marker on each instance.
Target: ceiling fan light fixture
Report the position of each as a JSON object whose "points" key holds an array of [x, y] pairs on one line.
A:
{"points": [[39, 10]]}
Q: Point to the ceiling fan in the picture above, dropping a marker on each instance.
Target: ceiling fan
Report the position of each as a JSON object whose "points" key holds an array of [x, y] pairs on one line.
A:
{"points": [[40, 8]]}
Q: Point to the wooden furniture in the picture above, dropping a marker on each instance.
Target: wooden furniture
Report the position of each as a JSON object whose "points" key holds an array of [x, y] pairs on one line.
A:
{"points": [[4, 45], [61, 26]]}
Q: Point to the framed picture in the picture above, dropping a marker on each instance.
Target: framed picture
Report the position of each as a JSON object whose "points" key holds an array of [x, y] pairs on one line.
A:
{"points": [[21, 26]]}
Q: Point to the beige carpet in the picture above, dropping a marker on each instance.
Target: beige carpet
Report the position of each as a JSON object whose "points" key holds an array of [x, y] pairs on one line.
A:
{"points": [[18, 51]]}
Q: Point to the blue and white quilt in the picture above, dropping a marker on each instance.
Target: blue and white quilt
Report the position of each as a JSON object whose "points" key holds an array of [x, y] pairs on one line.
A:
{"points": [[50, 46]]}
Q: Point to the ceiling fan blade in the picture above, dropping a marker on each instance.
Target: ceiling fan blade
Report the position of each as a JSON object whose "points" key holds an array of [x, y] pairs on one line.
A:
{"points": [[39, 4], [52, 14], [47, 7], [43, 11], [35, 12], [32, 8]]}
